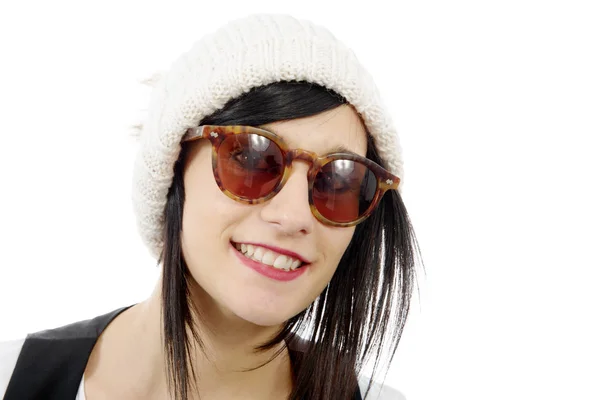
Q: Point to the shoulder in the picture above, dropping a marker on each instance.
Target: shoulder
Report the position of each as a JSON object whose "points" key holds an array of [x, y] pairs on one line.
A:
{"points": [[378, 391], [65, 351], [9, 353]]}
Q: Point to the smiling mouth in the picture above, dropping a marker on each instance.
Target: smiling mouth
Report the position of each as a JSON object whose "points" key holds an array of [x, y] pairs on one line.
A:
{"points": [[268, 257]]}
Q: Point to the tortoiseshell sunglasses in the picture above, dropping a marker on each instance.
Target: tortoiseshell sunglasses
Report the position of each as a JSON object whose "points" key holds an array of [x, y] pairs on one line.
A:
{"points": [[252, 165]]}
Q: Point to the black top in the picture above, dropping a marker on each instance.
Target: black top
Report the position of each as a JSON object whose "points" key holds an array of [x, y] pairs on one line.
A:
{"points": [[52, 362]]}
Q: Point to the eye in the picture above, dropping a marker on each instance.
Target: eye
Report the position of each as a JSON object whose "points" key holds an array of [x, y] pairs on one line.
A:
{"points": [[254, 161], [339, 176], [331, 182], [245, 158]]}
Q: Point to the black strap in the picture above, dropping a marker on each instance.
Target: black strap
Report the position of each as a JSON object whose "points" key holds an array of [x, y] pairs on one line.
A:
{"points": [[357, 395], [52, 362]]}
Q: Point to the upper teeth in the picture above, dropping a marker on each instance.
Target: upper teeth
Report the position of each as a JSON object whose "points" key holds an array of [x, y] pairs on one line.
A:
{"points": [[268, 257]]}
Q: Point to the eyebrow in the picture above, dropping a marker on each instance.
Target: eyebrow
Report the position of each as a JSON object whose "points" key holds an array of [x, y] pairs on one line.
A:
{"points": [[340, 148]]}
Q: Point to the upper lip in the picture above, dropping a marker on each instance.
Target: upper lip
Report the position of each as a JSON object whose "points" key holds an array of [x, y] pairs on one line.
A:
{"points": [[279, 250]]}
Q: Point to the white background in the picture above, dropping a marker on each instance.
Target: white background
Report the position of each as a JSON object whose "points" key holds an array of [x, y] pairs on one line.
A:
{"points": [[498, 108]]}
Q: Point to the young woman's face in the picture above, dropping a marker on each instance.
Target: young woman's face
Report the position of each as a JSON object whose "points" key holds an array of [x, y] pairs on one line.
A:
{"points": [[213, 224]]}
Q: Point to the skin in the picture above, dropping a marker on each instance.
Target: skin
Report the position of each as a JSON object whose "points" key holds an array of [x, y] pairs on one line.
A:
{"points": [[240, 307]]}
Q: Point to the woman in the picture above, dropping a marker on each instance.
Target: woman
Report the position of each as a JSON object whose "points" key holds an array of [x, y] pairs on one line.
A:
{"points": [[267, 186]]}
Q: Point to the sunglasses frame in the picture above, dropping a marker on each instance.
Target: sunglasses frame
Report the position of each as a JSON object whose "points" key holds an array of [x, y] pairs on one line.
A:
{"points": [[216, 134]]}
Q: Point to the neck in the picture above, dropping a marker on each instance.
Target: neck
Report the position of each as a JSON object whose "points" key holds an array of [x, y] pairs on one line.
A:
{"points": [[135, 358]]}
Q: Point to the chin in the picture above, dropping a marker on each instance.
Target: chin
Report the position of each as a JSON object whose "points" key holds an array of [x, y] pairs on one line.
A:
{"points": [[265, 321], [262, 316]]}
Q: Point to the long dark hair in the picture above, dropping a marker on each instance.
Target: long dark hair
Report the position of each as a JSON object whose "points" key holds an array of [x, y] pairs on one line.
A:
{"points": [[361, 313]]}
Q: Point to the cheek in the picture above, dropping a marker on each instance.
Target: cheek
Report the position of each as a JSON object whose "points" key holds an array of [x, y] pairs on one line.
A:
{"points": [[207, 213], [335, 242], [332, 243]]}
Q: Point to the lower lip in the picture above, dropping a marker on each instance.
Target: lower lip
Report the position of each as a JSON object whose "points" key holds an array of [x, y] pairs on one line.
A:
{"points": [[267, 270]]}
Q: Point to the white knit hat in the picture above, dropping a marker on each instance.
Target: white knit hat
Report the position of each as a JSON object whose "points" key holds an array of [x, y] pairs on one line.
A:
{"points": [[244, 54]]}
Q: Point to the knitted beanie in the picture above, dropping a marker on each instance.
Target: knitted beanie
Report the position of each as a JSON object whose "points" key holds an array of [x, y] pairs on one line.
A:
{"points": [[244, 54]]}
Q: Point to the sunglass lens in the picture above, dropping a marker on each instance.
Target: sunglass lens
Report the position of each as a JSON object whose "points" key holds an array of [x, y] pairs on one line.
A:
{"points": [[343, 190], [249, 165]]}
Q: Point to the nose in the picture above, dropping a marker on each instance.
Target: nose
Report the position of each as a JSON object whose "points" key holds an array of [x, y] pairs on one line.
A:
{"points": [[289, 211]]}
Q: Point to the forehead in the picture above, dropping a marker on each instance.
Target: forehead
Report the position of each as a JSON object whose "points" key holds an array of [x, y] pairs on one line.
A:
{"points": [[325, 132]]}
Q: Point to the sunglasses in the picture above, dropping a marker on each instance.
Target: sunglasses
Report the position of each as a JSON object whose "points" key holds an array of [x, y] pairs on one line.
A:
{"points": [[252, 165]]}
